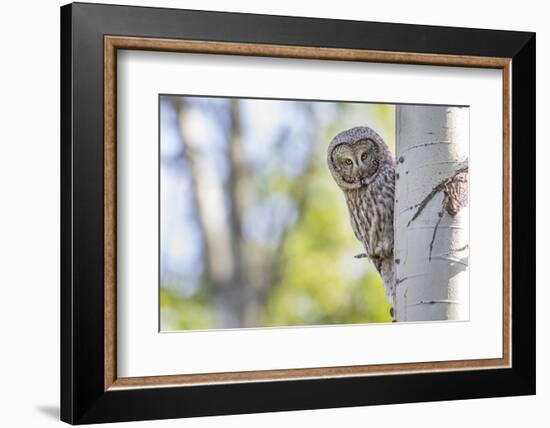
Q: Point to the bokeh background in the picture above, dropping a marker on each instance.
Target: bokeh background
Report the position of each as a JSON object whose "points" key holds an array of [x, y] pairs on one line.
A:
{"points": [[253, 230]]}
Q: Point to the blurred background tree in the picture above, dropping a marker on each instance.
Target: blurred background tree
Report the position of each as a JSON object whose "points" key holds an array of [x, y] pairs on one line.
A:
{"points": [[254, 232]]}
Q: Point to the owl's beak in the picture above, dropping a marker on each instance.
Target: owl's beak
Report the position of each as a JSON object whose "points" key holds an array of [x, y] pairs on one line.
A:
{"points": [[364, 179]]}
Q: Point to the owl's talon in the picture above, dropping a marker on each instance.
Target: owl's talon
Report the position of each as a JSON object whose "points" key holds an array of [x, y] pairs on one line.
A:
{"points": [[361, 256]]}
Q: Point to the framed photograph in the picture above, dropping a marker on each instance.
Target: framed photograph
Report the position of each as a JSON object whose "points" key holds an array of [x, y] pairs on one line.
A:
{"points": [[265, 213]]}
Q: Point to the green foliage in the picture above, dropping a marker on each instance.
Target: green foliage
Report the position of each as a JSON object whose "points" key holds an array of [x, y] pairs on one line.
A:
{"points": [[319, 281], [184, 313]]}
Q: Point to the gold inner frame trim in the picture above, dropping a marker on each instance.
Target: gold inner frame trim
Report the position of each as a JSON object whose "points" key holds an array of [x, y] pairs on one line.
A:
{"points": [[113, 43]]}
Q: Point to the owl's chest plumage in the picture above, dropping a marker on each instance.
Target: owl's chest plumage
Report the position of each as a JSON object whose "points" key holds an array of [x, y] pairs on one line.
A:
{"points": [[371, 216]]}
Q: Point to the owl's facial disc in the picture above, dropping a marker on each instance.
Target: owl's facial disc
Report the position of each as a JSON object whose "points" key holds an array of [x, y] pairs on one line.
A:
{"points": [[357, 164]]}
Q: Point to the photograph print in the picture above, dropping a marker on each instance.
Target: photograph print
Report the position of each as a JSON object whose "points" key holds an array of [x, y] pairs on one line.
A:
{"points": [[280, 213]]}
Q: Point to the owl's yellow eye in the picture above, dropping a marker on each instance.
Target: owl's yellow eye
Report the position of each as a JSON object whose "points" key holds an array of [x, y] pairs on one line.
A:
{"points": [[348, 162]]}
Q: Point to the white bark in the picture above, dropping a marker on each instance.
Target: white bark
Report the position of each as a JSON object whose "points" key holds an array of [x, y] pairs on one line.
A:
{"points": [[431, 271]]}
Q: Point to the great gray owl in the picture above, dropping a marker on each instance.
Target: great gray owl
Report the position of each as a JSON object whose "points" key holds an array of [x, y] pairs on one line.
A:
{"points": [[363, 167]]}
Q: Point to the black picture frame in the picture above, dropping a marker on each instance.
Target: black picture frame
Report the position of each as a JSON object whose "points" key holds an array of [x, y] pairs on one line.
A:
{"points": [[83, 396]]}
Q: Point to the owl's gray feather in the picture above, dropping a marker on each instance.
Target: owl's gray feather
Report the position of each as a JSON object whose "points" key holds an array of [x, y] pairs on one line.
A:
{"points": [[364, 169]]}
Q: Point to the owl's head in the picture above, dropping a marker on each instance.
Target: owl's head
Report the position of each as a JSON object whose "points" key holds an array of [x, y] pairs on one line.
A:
{"points": [[355, 157]]}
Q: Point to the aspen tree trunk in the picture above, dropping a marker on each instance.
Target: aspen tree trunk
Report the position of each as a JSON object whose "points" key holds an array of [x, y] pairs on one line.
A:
{"points": [[431, 213]]}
